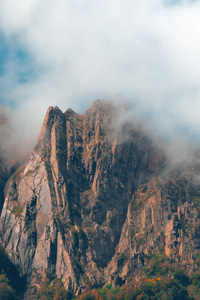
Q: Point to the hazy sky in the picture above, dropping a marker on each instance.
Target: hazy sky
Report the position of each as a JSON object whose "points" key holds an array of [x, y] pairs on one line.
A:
{"points": [[69, 53]]}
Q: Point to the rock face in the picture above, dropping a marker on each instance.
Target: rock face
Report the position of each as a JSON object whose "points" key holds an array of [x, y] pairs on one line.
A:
{"points": [[3, 179], [163, 217], [89, 205]]}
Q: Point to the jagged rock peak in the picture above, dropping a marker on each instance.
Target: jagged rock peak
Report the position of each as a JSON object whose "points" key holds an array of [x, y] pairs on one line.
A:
{"points": [[100, 105], [52, 113], [84, 199], [53, 110], [70, 111]]}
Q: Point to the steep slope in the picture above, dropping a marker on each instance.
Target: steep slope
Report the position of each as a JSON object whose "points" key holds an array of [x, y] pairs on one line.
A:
{"points": [[95, 200], [64, 210], [3, 179], [163, 217]]}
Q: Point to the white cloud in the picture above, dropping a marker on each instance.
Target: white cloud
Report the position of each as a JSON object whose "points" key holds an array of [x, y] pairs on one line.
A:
{"points": [[147, 51]]}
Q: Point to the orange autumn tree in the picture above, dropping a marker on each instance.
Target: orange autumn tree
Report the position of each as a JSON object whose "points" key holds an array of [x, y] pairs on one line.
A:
{"points": [[90, 295]]}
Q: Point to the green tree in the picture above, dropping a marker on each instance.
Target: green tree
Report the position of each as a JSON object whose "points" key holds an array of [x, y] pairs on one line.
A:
{"points": [[6, 291]]}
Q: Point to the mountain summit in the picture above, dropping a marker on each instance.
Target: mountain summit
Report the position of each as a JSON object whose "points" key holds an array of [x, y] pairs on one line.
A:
{"points": [[91, 204]]}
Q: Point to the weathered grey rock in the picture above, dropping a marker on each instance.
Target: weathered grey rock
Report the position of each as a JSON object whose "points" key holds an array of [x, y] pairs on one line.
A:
{"points": [[64, 210], [76, 210], [163, 217]]}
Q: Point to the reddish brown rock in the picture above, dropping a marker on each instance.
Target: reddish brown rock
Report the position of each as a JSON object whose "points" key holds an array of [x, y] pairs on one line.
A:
{"points": [[87, 205]]}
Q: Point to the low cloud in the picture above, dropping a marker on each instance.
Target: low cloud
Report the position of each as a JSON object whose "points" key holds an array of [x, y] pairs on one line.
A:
{"points": [[15, 144], [144, 52]]}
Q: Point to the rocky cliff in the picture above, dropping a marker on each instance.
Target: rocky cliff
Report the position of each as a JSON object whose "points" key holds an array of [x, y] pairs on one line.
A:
{"points": [[91, 205], [3, 179], [163, 217]]}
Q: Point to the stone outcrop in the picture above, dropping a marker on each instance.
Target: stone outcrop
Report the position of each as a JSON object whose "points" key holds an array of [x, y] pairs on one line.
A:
{"points": [[163, 217], [89, 203], [3, 179]]}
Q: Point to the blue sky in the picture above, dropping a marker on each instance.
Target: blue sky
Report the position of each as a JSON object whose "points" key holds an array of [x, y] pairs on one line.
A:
{"points": [[66, 54], [15, 60], [4, 54], [10, 51]]}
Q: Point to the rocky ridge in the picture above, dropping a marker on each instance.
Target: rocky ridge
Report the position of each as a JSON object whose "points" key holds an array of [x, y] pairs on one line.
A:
{"points": [[90, 205], [163, 217]]}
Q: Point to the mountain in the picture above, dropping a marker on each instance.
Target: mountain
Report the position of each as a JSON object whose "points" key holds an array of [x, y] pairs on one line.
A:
{"points": [[94, 201], [3, 179]]}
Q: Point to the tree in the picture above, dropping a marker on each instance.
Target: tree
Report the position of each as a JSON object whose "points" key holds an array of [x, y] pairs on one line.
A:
{"points": [[6, 291]]}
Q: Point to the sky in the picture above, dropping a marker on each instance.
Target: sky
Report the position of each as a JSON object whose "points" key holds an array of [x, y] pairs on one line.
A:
{"points": [[69, 53]]}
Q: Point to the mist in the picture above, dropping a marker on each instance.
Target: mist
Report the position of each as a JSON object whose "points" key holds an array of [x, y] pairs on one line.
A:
{"points": [[15, 144], [68, 54]]}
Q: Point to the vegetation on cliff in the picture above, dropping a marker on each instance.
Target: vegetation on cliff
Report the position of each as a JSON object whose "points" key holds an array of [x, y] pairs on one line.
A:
{"points": [[11, 285], [93, 203], [161, 280]]}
